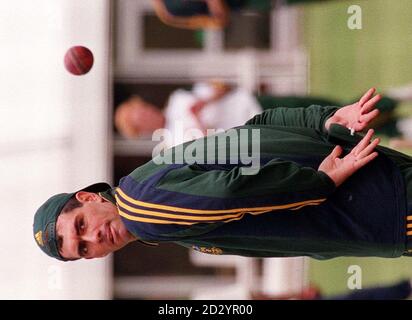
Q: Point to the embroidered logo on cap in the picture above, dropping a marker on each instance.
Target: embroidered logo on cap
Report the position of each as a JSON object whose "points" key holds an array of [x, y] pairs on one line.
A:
{"points": [[39, 238]]}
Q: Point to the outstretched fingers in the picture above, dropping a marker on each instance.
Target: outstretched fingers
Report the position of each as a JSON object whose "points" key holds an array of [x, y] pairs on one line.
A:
{"points": [[364, 142], [361, 162], [370, 104], [368, 150], [369, 116], [367, 96], [365, 119], [364, 151]]}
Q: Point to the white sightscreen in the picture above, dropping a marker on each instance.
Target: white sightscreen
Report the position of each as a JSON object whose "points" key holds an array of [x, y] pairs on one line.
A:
{"points": [[53, 137]]}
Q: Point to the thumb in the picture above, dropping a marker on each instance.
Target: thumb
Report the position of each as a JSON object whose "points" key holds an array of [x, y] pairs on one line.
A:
{"points": [[336, 152]]}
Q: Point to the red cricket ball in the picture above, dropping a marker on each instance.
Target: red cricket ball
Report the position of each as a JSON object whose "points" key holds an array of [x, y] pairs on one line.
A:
{"points": [[78, 60]]}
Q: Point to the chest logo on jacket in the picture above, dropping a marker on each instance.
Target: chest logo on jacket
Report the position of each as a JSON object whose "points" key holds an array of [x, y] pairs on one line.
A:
{"points": [[212, 250]]}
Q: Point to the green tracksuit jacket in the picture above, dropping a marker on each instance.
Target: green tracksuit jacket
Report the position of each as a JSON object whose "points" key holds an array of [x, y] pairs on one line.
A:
{"points": [[287, 208]]}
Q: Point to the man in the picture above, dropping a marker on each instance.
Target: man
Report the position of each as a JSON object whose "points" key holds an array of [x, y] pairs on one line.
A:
{"points": [[320, 192], [211, 14], [214, 105], [204, 14]]}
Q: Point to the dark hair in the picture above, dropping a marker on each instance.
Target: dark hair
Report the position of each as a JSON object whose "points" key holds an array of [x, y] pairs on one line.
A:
{"points": [[72, 204]]}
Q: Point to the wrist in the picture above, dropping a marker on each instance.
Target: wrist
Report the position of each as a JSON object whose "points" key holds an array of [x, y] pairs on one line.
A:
{"points": [[329, 179], [330, 118], [328, 122]]}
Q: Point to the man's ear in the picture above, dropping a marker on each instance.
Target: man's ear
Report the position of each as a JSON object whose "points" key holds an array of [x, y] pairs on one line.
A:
{"points": [[84, 196]]}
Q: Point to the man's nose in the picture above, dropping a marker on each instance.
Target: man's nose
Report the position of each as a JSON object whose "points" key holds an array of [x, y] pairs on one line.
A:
{"points": [[94, 236]]}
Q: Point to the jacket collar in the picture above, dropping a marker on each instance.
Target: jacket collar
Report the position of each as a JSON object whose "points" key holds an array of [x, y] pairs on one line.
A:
{"points": [[108, 195]]}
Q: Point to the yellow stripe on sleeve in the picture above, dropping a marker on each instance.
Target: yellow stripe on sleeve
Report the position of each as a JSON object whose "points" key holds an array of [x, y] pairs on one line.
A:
{"points": [[200, 211], [175, 216], [157, 221]]}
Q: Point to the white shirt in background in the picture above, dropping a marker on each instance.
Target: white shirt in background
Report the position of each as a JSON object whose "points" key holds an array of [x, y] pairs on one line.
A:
{"points": [[233, 109]]}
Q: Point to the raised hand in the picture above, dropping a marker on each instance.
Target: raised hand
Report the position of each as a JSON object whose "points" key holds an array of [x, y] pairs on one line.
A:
{"points": [[358, 115], [340, 169]]}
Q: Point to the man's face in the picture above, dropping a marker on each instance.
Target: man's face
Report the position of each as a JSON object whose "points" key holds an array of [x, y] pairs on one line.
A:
{"points": [[91, 231]]}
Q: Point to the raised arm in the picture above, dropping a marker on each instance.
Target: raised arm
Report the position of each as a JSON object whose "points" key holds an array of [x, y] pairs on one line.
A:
{"points": [[311, 117], [356, 116]]}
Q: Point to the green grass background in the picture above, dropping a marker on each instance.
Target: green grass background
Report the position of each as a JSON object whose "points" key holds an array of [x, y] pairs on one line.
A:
{"points": [[345, 63]]}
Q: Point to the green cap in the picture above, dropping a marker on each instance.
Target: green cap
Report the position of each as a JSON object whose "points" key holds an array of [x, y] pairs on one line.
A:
{"points": [[44, 226]]}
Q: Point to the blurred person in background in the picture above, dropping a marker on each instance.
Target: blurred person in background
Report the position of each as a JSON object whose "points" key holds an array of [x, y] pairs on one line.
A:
{"points": [[212, 14], [204, 14], [216, 105], [404, 141]]}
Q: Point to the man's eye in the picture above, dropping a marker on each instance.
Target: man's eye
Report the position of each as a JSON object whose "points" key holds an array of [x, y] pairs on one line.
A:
{"points": [[81, 225], [83, 249]]}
